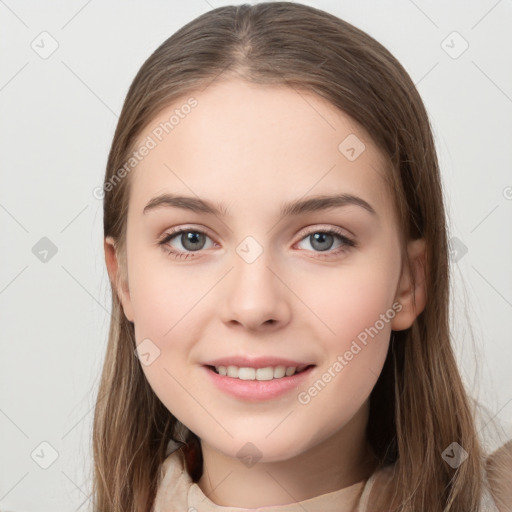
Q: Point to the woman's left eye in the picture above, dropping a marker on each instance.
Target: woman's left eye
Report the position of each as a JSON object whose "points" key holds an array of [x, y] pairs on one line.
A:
{"points": [[322, 240], [193, 240]]}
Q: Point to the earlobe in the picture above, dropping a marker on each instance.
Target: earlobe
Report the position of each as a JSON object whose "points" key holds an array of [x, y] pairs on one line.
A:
{"points": [[117, 276], [411, 293]]}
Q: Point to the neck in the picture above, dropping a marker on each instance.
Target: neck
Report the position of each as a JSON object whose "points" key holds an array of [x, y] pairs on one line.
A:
{"points": [[337, 462]]}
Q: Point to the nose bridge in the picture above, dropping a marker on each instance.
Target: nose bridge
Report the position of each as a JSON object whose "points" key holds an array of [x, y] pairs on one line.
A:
{"points": [[252, 277], [254, 295]]}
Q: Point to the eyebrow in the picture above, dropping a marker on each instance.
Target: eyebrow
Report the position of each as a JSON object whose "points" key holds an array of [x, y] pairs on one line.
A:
{"points": [[294, 208]]}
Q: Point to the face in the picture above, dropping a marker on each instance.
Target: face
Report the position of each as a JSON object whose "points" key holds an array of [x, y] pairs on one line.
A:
{"points": [[316, 285]]}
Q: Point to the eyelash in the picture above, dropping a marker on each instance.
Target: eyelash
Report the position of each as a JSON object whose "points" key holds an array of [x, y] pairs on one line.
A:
{"points": [[347, 242]]}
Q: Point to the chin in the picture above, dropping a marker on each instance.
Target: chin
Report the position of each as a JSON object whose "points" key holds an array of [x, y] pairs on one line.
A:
{"points": [[250, 450]]}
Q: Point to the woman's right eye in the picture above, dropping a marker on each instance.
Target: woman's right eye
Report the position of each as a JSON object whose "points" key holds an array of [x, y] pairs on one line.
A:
{"points": [[190, 240]]}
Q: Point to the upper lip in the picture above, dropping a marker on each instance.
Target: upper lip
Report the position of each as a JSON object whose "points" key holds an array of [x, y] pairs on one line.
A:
{"points": [[256, 362]]}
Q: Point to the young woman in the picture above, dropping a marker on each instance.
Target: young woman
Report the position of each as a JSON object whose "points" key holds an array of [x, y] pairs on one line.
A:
{"points": [[276, 242]]}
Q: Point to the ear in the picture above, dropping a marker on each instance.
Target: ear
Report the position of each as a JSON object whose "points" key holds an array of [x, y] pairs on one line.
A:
{"points": [[412, 295], [118, 273]]}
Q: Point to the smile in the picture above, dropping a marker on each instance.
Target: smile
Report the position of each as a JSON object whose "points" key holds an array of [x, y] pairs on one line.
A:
{"points": [[246, 383], [267, 373]]}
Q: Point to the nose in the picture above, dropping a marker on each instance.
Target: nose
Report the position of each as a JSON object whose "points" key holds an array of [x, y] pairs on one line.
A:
{"points": [[255, 295]]}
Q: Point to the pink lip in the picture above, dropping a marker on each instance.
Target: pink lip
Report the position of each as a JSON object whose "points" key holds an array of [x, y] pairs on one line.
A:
{"points": [[255, 362], [258, 390]]}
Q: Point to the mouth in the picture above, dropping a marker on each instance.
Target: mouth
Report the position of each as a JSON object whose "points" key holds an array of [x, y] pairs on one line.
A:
{"points": [[261, 384], [260, 374]]}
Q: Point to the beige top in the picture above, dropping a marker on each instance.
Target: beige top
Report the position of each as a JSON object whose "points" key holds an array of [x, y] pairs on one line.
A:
{"points": [[178, 493]]}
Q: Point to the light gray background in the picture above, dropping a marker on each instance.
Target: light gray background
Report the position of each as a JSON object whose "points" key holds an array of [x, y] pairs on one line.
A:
{"points": [[58, 116]]}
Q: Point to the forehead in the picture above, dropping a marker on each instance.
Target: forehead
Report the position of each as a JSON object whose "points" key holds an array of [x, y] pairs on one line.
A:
{"points": [[243, 142]]}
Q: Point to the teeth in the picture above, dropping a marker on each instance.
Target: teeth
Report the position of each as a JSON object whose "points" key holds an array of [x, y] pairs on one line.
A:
{"points": [[267, 373]]}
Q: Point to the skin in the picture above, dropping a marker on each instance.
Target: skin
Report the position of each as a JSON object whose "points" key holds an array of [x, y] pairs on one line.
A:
{"points": [[252, 148]]}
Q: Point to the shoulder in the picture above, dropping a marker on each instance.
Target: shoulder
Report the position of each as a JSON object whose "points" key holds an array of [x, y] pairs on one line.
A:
{"points": [[173, 484], [375, 495], [495, 435], [499, 476], [496, 492]]}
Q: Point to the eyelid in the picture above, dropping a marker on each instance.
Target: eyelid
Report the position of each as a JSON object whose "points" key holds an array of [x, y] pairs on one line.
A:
{"points": [[313, 228], [186, 227], [174, 231]]}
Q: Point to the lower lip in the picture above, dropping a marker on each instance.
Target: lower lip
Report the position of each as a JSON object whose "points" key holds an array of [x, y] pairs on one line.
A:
{"points": [[258, 390]]}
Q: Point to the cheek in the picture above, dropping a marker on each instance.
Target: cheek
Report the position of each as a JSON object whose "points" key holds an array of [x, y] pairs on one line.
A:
{"points": [[162, 294], [168, 305], [359, 314], [349, 301], [355, 309]]}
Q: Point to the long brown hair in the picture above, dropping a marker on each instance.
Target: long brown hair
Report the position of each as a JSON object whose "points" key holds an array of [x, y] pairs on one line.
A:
{"points": [[419, 405]]}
